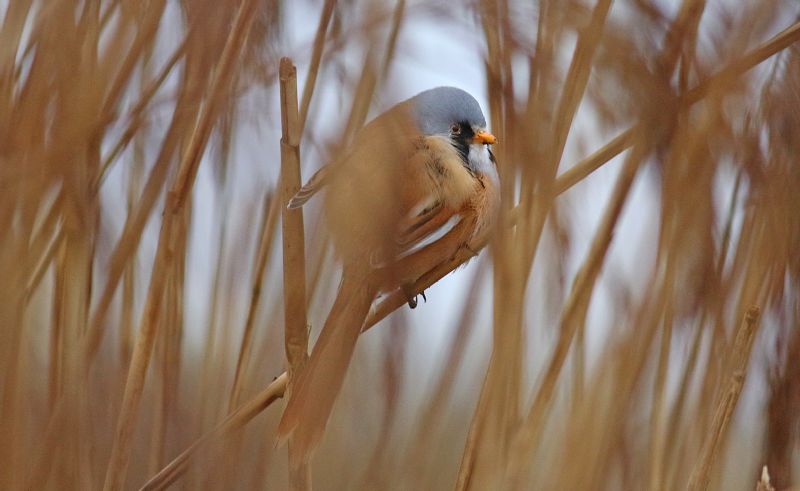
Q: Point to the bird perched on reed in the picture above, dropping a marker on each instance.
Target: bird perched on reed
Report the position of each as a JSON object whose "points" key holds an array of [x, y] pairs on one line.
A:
{"points": [[418, 183]]}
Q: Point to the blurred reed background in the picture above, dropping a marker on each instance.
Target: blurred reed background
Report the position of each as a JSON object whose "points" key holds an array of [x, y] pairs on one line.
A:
{"points": [[637, 327]]}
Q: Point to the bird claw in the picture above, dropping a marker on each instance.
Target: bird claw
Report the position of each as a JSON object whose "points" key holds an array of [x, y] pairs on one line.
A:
{"points": [[411, 298]]}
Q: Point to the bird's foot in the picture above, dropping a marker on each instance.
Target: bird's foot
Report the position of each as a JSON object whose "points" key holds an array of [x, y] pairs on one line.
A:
{"points": [[411, 297]]}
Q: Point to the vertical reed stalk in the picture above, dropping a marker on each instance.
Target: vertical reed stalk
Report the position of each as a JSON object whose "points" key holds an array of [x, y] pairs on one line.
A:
{"points": [[294, 268]]}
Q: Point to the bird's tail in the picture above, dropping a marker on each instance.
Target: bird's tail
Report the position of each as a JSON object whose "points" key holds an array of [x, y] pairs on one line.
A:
{"points": [[317, 385]]}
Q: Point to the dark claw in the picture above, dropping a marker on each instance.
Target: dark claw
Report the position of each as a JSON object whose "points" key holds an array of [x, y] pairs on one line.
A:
{"points": [[411, 298], [423, 296]]}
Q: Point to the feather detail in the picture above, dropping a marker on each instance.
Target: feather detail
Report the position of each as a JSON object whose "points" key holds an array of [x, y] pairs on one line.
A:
{"points": [[427, 255], [305, 193], [433, 231]]}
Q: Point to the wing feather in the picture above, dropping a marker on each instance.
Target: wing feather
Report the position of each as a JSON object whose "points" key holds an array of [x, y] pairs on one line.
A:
{"points": [[305, 193]]}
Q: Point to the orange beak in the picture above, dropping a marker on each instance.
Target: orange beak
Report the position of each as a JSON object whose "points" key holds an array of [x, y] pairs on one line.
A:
{"points": [[484, 137]]}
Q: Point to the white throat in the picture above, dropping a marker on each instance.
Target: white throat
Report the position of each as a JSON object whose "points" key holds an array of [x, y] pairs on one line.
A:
{"points": [[481, 162]]}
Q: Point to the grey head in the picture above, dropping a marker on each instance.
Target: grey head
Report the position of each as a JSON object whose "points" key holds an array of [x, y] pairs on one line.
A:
{"points": [[436, 110], [453, 113]]}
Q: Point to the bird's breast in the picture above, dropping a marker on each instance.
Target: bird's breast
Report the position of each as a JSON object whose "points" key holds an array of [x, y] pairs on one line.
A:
{"points": [[454, 183]]}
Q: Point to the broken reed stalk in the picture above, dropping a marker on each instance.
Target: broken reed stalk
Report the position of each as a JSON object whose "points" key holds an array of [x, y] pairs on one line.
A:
{"points": [[740, 356], [294, 273], [184, 180], [294, 268]]}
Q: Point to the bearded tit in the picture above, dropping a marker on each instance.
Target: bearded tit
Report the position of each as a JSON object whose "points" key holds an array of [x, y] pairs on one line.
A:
{"points": [[418, 183]]}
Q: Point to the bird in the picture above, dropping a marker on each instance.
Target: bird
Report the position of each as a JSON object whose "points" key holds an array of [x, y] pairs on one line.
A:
{"points": [[417, 184]]}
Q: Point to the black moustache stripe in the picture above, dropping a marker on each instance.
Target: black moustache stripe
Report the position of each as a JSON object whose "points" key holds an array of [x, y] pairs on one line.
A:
{"points": [[462, 141]]}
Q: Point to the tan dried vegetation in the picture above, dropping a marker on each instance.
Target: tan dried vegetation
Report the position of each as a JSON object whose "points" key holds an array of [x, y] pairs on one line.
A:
{"points": [[113, 377]]}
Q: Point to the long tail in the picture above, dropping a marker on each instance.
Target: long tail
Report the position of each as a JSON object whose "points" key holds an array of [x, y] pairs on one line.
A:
{"points": [[317, 386]]}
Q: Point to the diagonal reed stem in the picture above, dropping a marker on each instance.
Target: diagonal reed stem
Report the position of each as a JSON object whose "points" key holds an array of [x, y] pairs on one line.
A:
{"points": [[233, 422]]}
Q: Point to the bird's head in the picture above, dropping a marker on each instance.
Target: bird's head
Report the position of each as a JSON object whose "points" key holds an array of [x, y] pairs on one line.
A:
{"points": [[452, 113]]}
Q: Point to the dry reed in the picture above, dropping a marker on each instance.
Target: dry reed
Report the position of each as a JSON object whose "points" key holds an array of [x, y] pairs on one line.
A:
{"points": [[643, 325]]}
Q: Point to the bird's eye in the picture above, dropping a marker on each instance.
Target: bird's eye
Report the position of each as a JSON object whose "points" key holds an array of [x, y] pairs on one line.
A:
{"points": [[455, 129]]}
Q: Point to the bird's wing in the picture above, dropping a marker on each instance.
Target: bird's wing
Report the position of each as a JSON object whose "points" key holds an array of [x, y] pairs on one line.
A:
{"points": [[317, 181], [358, 162], [423, 227]]}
